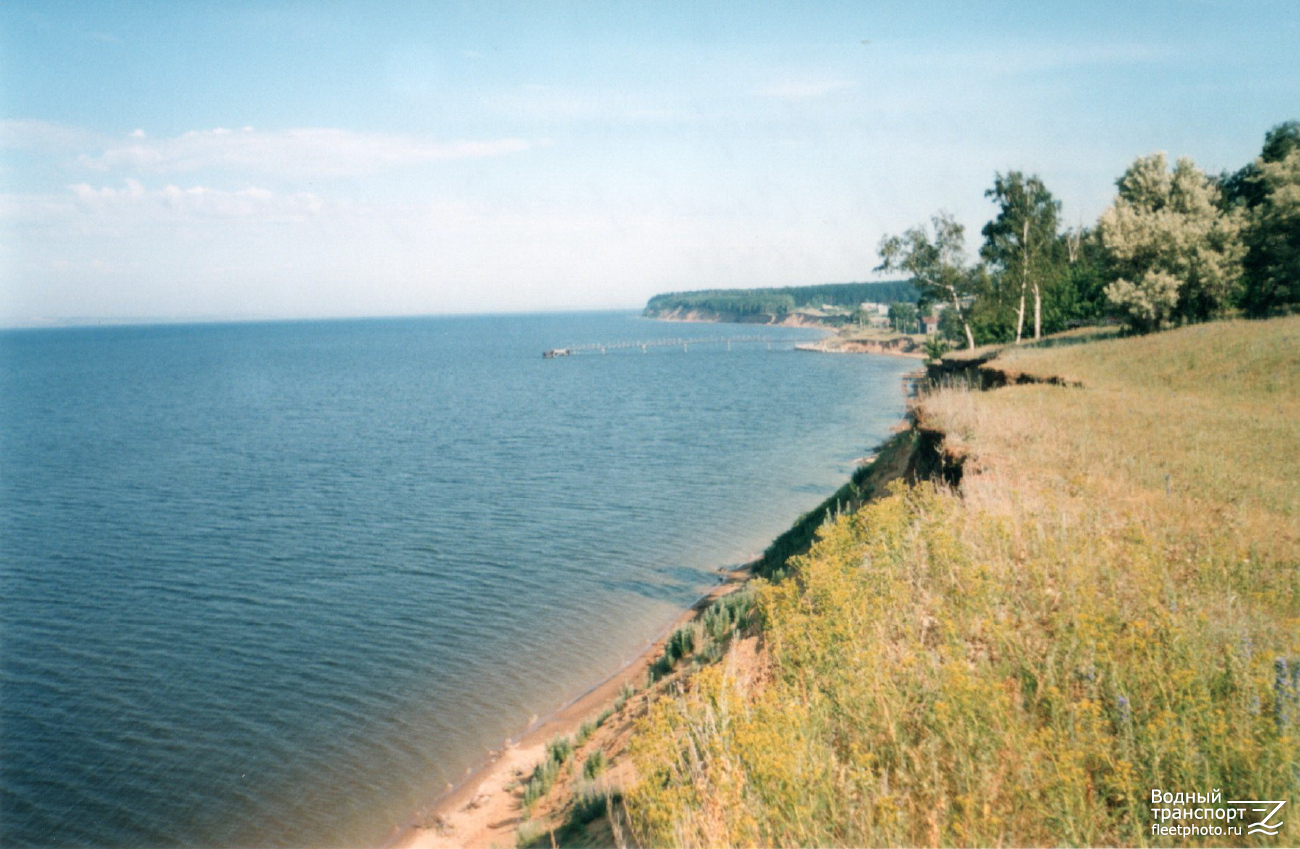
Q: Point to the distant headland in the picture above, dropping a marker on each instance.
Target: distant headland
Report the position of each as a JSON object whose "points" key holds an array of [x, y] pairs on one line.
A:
{"points": [[832, 304], [874, 318]]}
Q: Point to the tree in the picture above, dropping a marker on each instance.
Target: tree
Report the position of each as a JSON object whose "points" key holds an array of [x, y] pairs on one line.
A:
{"points": [[903, 316], [1272, 263], [1081, 291], [1243, 188], [1268, 190], [1175, 252], [1280, 141], [937, 265], [950, 326], [992, 314], [1020, 242]]}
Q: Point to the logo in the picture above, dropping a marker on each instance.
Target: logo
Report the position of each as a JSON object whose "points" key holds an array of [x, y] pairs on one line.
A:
{"points": [[1210, 814], [1264, 826]]}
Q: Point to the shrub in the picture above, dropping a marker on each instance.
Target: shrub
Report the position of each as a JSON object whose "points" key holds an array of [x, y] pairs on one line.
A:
{"points": [[545, 773], [594, 766], [559, 749], [530, 833], [590, 803]]}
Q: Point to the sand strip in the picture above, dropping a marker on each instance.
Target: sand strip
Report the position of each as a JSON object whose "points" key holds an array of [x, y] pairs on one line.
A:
{"points": [[484, 809]]}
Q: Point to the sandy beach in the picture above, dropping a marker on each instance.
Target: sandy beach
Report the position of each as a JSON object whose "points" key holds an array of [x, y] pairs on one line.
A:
{"points": [[485, 809]]}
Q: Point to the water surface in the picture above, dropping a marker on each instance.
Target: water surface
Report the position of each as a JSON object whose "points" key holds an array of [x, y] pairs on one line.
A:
{"points": [[277, 584]]}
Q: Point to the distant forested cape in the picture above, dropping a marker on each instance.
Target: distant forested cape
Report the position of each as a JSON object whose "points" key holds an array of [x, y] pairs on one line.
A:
{"points": [[779, 301]]}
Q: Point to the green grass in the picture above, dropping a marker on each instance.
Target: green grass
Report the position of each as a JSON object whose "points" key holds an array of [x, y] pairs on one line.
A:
{"points": [[1100, 610], [589, 803], [594, 765], [625, 692], [531, 833], [546, 773], [703, 641]]}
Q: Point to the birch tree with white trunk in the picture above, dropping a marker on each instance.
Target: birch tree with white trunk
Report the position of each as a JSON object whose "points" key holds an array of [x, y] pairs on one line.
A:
{"points": [[1020, 240], [937, 265]]}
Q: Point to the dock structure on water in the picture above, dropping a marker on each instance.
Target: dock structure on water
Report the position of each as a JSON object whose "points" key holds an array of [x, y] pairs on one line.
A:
{"points": [[684, 344]]}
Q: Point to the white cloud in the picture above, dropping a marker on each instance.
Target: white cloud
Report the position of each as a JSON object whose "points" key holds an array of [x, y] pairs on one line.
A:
{"points": [[196, 201], [131, 250], [296, 153], [310, 152], [85, 193]]}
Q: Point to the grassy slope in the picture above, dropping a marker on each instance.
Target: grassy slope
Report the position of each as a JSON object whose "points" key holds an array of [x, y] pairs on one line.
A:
{"points": [[1097, 614]]}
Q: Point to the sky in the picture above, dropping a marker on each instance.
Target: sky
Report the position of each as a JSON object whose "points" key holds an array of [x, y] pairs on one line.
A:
{"points": [[211, 161]]}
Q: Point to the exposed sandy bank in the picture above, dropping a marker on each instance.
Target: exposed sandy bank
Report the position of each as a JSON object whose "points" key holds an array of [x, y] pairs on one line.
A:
{"points": [[853, 346], [485, 809], [841, 341]]}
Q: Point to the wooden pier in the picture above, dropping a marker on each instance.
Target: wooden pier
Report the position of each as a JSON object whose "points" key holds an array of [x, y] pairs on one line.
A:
{"points": [[684, 344]]}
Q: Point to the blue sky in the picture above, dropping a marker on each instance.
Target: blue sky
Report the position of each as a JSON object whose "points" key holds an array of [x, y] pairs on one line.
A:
{"points": [[267, 160]]}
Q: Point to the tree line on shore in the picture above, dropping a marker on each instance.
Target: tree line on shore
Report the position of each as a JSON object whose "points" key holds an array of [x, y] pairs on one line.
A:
{"points": [[777, 302], [1176, 246]]}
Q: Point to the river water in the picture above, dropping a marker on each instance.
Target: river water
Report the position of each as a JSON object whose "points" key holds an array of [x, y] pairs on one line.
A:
{"points": [[276, 584]]}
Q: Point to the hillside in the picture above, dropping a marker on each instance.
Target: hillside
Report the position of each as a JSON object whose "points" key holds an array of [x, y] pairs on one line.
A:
{"points": [[1074, 592]]}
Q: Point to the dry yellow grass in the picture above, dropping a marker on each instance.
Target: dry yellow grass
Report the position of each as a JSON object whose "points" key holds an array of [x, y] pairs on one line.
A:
{"points": [[1097, 613]]}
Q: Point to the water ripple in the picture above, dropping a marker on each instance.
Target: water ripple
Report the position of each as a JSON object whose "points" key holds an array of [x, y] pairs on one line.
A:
{"points": [[275, 584]]}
